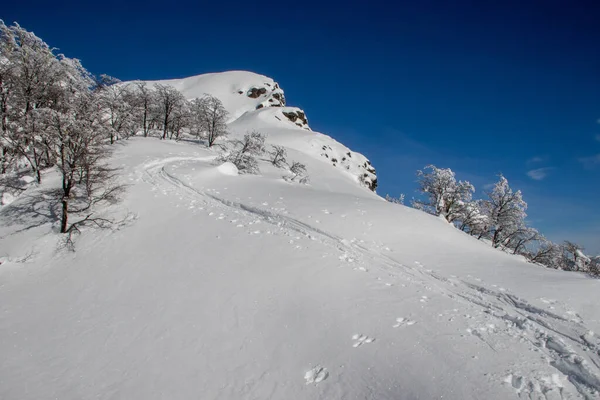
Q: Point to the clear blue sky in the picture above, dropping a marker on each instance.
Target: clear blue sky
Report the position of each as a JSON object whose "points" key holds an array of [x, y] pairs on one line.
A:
{"points": [[511, 87]]}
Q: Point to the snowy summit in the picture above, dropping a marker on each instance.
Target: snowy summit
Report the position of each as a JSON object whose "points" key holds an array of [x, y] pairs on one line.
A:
{"points": [[294, 282]]}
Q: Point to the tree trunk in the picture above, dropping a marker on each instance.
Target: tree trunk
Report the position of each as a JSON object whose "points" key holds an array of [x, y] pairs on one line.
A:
{"points": [[145, 123], [65, 215]]}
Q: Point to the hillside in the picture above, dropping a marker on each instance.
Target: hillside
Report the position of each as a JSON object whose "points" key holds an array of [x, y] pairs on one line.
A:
{"points": [[225, 286]]}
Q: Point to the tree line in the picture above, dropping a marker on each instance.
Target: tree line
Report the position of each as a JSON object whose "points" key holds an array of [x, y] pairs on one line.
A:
{"points": [[55, 113], [499, 219]]}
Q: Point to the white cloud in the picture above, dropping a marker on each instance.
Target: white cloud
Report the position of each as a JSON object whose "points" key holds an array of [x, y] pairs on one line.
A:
{"points": [[536, 159], [539, 173], [590, 162]]}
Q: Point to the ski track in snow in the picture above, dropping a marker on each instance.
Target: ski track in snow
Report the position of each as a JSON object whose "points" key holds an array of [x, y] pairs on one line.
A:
{"points": [[564, 342]]}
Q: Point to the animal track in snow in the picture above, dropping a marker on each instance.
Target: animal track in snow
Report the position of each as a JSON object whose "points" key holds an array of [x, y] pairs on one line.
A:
{"points": [[361, 339], [404, 322], [316, 375], [544, 387]]}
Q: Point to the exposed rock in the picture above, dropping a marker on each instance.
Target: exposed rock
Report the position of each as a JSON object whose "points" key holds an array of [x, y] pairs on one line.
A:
{"points": [[298, 117], [279, 96], [255, 93], [360, 168]]}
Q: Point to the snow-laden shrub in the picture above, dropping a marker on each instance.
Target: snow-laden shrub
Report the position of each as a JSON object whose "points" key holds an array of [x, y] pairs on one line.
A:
{"points": [[278, 156], [242, 153], [297, 173]]}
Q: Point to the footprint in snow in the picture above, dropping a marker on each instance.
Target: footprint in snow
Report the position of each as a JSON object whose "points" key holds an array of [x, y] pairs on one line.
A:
{"points": [[316, 375], [345, 257], [403, 322], [361, 339]]}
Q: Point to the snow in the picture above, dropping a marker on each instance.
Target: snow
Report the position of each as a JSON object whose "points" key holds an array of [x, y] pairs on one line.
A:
{"points": [[27, 179], [7, 198], [228, 168], [219, 286]]}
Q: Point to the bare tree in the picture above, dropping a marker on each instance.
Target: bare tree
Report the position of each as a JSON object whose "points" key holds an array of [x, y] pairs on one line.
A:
{"points": [[82, 154], [211, 117], [168, 99], [573, 258], [180, 119], [115, 99], [278, 156], [244, 152], [144, 101], [297, 173], [545, 253]]}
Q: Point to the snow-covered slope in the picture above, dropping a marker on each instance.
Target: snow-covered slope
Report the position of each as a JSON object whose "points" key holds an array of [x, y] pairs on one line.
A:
{"points": [[257, 102], [219, 286]]}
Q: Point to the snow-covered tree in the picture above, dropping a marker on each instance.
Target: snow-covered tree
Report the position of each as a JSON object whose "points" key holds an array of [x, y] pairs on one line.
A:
{"points": [[243, 152], [573, 258], [505, 210], [210, 117], [395, 200], [116, 100], [471, 218], [518, 239], [53, 114], [32, 78], [444, 195], [278, 156], [297, 173], [545, 253]]}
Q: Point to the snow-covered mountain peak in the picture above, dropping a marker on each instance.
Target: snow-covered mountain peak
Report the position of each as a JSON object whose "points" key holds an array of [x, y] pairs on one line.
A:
{"points": [[257, 102], [240, 91]]}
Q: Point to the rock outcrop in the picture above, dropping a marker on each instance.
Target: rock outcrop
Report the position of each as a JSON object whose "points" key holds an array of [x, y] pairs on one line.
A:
{"points": [[270, 95], [298, 117]]}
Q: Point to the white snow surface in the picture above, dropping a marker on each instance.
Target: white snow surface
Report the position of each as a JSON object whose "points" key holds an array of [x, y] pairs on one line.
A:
{"points": [[228, 168], [225, 286]]}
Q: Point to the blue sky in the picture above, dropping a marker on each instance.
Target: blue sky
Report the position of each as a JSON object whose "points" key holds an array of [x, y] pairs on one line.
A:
{"points": [[511, 87]]}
